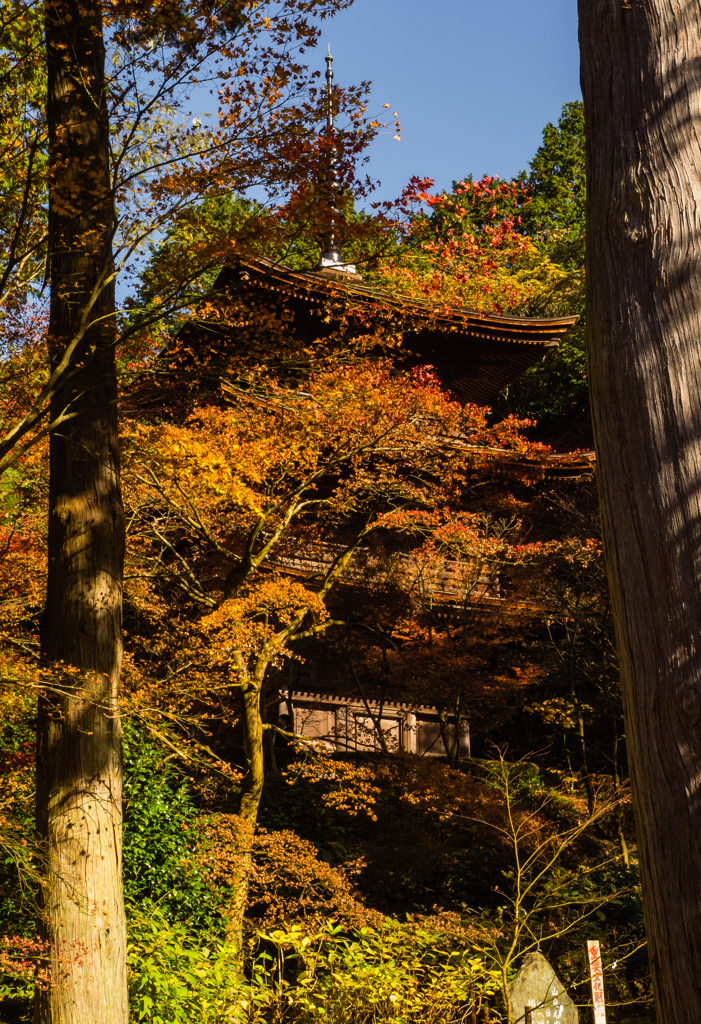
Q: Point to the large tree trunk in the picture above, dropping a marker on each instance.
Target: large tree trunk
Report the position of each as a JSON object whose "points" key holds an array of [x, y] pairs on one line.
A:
{"points": [[79, 737], [641, 78]]}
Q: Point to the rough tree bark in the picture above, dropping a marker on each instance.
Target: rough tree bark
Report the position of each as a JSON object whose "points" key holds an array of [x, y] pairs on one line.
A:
{"points": [[641, 79], [79, 738]]}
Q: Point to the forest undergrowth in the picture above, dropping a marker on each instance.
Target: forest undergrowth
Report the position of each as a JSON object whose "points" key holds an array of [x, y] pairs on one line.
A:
{"points": [[385, 891]]}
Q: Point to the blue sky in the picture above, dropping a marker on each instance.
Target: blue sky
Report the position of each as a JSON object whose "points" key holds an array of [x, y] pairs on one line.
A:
{"points": [[474, 82]]}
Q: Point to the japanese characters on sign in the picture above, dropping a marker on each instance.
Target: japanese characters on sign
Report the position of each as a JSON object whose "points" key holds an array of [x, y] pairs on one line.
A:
{"points": [[597, 981], [537, 995], [544, 1014]]}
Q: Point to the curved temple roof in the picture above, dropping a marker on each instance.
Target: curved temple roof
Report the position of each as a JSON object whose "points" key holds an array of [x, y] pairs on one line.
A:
{"points": [[475, 354]]}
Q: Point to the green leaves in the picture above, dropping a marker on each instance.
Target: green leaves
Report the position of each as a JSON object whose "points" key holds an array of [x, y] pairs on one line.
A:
{"points": [[174, 978], [161, 837], [555, 216], [396, 974], [393, 975]]}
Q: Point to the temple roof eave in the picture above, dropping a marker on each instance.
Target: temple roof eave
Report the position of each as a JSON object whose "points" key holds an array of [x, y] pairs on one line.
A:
{"points": [[313, 286]]}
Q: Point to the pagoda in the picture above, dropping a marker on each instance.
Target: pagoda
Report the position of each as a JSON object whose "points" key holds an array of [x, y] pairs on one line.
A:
{"points": [[474, 354]]}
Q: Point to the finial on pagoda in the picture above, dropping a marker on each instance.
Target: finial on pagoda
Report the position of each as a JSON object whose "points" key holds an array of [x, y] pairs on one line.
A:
{"points": [[329, 89], [331, 257]]}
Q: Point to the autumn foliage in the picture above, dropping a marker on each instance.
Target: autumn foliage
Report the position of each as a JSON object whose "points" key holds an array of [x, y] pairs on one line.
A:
{"points": [[297, 508]]}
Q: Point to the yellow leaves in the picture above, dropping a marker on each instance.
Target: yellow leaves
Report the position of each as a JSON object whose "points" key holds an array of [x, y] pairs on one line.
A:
{"points": [[272, 449], [194, 462], [560, 712], [245, 627], [355, 790], [16, 704]]}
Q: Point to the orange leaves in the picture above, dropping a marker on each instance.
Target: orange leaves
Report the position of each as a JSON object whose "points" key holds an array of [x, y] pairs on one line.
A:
{"points": [[207, 467], [194, 463], [354, 790], [356, 440], [572, 551], [246, 517], [242, 629], [289, 879]]}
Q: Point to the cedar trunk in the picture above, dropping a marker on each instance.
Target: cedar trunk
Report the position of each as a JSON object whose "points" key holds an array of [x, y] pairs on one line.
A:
{"points": [[641, 79], [79, 737]]}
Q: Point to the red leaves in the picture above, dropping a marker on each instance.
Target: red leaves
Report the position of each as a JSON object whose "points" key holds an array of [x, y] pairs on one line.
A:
{"points": [[25, 959], [464, 245]]}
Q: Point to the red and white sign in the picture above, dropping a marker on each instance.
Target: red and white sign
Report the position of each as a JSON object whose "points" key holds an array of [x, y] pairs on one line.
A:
{"points": [[597, 981]]}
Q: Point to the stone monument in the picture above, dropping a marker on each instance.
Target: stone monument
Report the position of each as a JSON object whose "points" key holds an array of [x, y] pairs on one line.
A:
{"points": [[538, 996]]}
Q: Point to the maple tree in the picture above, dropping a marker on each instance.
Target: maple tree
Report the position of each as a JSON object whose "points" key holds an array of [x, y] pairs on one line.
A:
{"points": [[461, 250], [471, 246], [106, 147], [164, 161], [255, 512], [510, 246]]}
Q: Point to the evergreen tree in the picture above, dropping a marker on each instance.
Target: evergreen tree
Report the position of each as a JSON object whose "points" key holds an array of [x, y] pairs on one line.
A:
{"points": [[554, 218]]}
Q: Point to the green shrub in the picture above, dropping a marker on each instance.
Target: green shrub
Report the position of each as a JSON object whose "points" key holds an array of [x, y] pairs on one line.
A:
{"points": [[162, 837], [177, 976], [392, 975]]}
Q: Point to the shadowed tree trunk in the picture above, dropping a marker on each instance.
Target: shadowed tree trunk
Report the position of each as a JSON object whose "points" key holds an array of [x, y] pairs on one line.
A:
{"points": [[641, 79], [79, 737]]}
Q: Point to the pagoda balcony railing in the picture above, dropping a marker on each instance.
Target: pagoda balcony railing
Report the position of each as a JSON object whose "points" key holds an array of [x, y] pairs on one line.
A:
{"points": [[458, 583]]}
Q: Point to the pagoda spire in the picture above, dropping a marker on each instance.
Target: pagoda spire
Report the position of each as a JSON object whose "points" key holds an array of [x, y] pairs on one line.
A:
{"points": [[331, 257]]}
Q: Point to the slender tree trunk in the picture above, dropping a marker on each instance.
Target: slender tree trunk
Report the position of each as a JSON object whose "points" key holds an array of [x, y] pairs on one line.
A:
{"points": [[273, 759], [588, 784], [251, 791], [616, 784], [450, 745], [79, 737], [641, 79]]}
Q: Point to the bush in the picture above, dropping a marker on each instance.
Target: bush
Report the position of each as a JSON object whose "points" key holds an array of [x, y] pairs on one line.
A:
{"points": [[176, 977], [289, 882], [392, 975], [162, 837]]}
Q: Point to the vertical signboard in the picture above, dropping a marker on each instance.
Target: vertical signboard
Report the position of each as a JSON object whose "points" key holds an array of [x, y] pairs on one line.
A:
{"points": [[597, 981]]}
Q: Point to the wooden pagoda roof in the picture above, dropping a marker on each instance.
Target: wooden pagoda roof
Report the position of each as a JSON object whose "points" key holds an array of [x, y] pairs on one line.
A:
{"points": [[475, 354]]}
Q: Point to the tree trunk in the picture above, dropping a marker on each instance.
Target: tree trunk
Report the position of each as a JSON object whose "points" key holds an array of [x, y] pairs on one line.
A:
{"points": [[249, 696], [618, 814], [588, 784], [641, 79], [450, 745], [79, 736]]}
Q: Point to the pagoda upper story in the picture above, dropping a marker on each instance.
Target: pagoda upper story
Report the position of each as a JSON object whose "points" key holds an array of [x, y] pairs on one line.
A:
{"points": [[475, 354]]}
